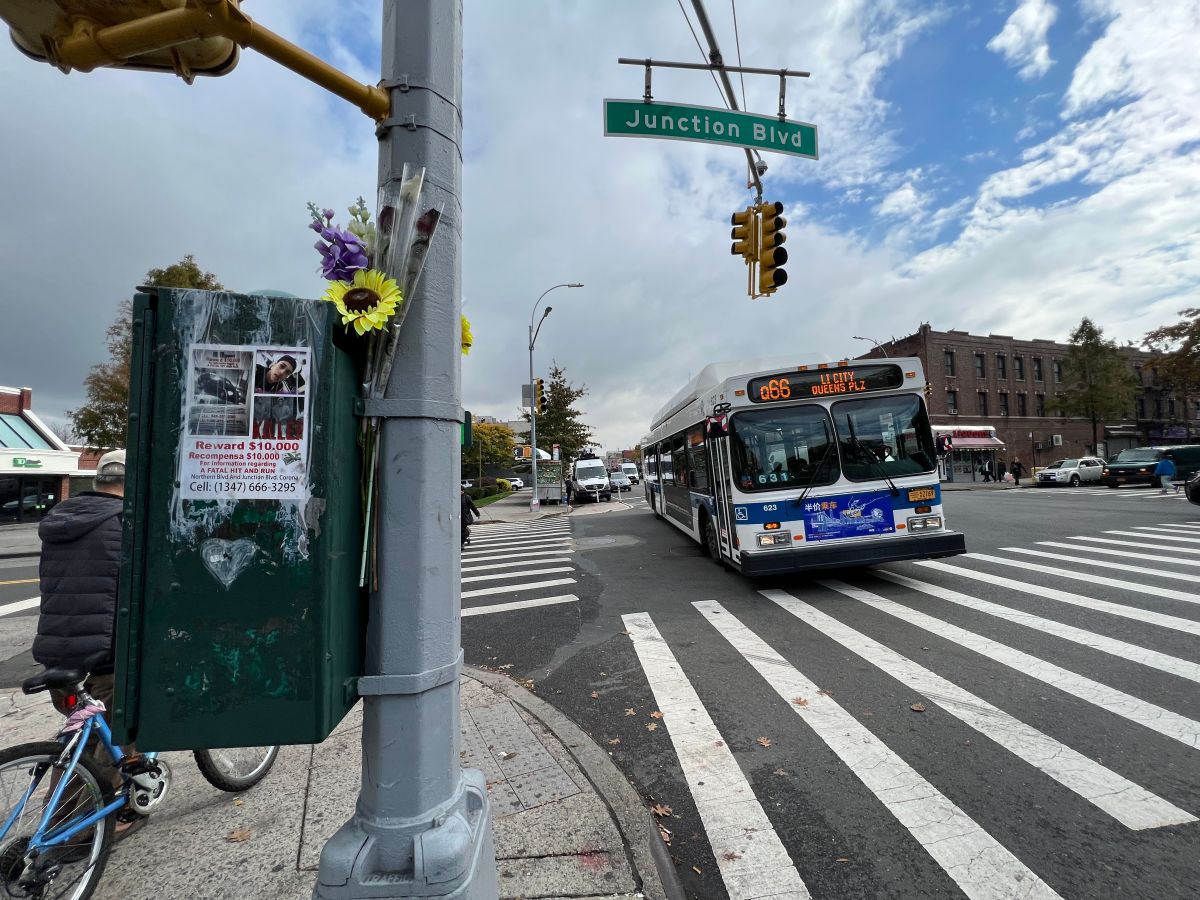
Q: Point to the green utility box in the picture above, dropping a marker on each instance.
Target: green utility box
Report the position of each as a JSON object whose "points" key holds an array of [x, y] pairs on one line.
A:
{"points": [[240, 619]]}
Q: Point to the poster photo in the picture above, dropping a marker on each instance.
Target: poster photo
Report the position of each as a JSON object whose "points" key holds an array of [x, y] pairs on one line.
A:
{"points": [[247, 418]]}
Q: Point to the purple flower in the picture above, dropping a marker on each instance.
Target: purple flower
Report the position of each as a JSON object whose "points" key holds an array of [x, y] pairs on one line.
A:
{"points": [[341, 254]]}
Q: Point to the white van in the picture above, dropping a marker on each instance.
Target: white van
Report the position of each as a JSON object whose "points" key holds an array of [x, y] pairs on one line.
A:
{"points": [[589, 480], [631, 472]]}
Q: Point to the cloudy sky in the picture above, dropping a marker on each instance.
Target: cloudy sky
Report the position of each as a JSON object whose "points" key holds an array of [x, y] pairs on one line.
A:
{"points": [[1000, 166]]}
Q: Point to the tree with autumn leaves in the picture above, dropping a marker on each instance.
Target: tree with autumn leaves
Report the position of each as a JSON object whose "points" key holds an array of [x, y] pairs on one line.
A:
{"points": [[101, 422], [1176, 350], [560, 422]]}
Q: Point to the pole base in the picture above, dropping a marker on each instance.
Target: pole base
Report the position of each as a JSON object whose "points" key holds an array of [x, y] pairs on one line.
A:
{"points": [[448, 852], [535, 504]]}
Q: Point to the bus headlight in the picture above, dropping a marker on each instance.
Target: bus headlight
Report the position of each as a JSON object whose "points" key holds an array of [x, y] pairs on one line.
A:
{"points": [[775, 539], [924, 523]]}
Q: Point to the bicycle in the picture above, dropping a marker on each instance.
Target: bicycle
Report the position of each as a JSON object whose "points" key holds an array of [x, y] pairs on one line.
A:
{"points": [[55, 837]]}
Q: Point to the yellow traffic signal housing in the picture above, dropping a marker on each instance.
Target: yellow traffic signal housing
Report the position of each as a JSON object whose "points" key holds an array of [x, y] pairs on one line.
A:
{"points": [[771, 254], [539, 396], [744, 234]]}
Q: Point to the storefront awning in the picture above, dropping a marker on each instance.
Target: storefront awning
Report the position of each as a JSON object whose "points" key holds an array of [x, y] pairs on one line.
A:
{"points": [[977, 443]]}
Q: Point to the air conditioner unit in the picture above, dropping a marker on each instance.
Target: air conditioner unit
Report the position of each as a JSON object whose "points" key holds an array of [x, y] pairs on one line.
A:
{"points": [[1056, 440]]}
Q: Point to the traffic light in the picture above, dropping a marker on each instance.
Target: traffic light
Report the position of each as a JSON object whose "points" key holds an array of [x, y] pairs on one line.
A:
{"points": [[744, 233], [771, 254], [539, 396]]}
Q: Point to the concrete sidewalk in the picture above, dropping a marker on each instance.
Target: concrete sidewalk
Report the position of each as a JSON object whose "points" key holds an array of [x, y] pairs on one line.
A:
{"points": [[18, 541], [566, 822], [515, 508]]}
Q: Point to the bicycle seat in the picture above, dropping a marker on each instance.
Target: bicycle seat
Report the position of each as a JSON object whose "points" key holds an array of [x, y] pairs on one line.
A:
{"points": [[63, 679]]}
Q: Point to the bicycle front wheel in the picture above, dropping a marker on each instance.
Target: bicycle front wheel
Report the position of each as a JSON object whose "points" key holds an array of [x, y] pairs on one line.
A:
{"points": [[67, 871], [237, 768]]}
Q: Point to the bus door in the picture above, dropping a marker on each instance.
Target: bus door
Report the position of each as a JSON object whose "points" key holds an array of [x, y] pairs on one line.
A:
{"points": [[718, 455], [676, 491]]}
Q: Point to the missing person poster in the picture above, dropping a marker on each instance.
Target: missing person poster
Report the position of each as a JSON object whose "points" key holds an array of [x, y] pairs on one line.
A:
{"points": [[246, 422]]}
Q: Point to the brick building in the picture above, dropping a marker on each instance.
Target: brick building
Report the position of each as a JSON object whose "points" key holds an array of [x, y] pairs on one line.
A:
{"points": [[999, 385]]}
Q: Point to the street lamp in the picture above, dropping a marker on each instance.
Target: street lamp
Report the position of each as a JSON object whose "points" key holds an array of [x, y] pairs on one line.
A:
{"points": [[535, 504], [856, 337]]}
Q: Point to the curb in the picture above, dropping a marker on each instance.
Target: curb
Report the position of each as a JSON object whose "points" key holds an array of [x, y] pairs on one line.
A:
{"points": [[32, 554], [651, 862]]}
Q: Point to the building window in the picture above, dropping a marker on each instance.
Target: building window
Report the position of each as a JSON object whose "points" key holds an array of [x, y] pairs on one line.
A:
{"points": [[1141, 407], [1171, 408], [979, 364], [1019, 368], [1037, 369], [1058, 371], [952, 401], [1004, 404], [1021, 411], [983, 403], [1040, 405], [948, 362], [1158, 407], [1001, 366]]}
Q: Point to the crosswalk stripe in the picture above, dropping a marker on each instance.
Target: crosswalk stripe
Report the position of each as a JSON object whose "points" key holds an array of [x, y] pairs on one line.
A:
{"points": [[1156, 718], [516, 554], [495, 529], [1130, 804], [501, 543], [1156, 529], [19, 606], [1089, 577], [1132, 652], [1105, 564], [518, 604], [1100, 540], [1128, 554], [502, 575], [1157, 537], [980, 865], [513, 588], [491, 567], [1175, 623], [1187, 525], [750, 857]]}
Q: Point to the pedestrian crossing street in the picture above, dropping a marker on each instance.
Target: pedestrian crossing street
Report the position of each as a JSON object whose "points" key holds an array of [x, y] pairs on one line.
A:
{"points": [[510, 567], [1125, 591], [1101, 493]]}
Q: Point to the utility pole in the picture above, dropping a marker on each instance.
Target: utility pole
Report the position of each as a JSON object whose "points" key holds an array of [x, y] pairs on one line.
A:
{"points": [[422, 826]]}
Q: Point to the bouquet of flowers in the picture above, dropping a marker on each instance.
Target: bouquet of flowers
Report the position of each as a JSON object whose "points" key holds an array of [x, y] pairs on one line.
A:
{"points": [[372, 267]]}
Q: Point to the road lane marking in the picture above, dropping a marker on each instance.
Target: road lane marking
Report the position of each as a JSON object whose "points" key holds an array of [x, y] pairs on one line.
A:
{"points": [[518, 604], [1130, 804], [1100, 540], [502, 543], [1153, 528], [513, 588], [1132, 652], [978, 863], [1129, 554], [516, 554], [491, 567], [1163, 593], [1157, 537], [1105, 564], [1175, 623], [1156, 718], [750, 857], [17, 606], [502, 575], [21, 581]]}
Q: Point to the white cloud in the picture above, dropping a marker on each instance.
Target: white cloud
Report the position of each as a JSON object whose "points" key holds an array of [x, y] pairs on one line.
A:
{"points": [[1022, 41], [904, 202]]}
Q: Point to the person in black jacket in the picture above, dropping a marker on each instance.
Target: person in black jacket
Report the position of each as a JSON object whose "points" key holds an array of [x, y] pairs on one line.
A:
{"points": [[80, 562], [469, 511]]}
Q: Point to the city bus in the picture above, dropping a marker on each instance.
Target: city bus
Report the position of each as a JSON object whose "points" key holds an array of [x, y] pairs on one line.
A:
{"points": [[775, 466]]}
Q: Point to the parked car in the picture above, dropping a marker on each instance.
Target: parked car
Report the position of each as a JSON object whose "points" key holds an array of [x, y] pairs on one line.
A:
{"points": [[1136, 465], [467, 484], [620, 481], [631, 470], [1192, 489], [1085, 469], [589, 480], [516, 483]]}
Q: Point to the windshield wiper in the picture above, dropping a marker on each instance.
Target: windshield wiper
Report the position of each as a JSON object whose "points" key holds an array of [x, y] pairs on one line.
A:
{"points": [[871, 459], [815, 472]]}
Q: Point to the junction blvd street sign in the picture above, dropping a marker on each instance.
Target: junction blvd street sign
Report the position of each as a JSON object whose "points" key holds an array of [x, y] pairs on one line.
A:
{"points": [[678, 122]]}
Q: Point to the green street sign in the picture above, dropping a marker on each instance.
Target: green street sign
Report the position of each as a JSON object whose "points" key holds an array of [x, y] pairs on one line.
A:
{"points": [[466, 433], [706, 124]]}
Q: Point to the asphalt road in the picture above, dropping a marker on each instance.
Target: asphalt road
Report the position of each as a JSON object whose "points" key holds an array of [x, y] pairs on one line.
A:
{"points": [[983, 729], [18, 619]]}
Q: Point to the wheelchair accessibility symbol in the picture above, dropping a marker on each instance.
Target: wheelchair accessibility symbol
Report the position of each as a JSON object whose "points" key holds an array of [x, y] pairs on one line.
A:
{"points": [[741, 514]]}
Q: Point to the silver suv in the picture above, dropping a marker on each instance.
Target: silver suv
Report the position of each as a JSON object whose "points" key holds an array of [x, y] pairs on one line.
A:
{"points": [[1071, 471]]}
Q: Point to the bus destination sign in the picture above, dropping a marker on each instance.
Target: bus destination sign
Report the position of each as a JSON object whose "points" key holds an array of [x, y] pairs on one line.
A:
{"points": [[824, 383]]}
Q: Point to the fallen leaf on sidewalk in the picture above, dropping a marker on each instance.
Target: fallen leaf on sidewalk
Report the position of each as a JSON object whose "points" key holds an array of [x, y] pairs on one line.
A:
{"points": [[731, 855], [664, 834], [239, 835], [825, 693], [696, 869], [238, 802], [660, 809], [651, 726], [779, 772], [718, 743], [656, 715], [764, 741], [614, 741], [595, 695], [841, 859], [630, 711], [918, 707], [800, 701]]}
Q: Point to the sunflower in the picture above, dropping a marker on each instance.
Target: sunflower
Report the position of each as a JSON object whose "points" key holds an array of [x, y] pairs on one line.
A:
{"points": [[467, 338], [367, 302]]}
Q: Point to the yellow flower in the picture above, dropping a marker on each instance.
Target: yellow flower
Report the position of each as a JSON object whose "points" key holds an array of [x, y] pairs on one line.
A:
{"points": [[367, 302], [467, 338]]}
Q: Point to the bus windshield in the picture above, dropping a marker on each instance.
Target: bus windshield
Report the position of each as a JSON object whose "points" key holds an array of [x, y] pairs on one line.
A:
{"points": [[883, 437], [780, 446]]}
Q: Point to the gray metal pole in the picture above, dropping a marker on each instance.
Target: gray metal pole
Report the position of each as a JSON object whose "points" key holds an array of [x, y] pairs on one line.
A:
{"points": [[534, 504], [421, 827]]}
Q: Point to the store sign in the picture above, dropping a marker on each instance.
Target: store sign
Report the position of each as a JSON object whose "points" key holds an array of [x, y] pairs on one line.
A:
{"points": [[25, 462]]}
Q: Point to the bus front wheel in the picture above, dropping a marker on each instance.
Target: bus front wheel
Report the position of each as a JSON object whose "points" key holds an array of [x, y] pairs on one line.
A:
{"points": [[712, 543]]}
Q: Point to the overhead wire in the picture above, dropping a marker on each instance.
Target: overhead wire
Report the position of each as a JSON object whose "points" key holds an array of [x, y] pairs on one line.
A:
{"points": [[703, 55], [738, 43]]}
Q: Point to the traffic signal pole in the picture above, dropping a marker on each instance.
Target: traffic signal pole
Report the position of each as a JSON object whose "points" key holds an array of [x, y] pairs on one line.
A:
{"points": [[421, 826]]}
